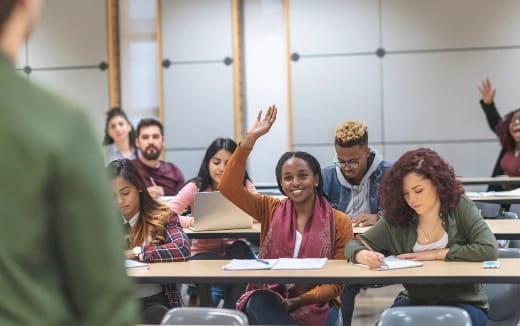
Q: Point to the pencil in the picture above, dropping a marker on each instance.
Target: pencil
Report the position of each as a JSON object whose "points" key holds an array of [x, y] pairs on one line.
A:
{"points": [[153, 182], [363, 242]]}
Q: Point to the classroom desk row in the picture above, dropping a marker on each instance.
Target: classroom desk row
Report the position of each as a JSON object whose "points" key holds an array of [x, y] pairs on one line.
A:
{"points": [[502, 229], [334, 271]]}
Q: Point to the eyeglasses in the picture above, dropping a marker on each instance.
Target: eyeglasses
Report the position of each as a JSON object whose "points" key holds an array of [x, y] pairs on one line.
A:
{"points": [[350, 164]]}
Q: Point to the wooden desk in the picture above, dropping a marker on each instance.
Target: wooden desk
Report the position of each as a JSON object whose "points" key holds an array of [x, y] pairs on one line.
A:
{"points": [[491, 181], [497, 199], [334, 271], [505, 229], [502, 229], [252, 233]]}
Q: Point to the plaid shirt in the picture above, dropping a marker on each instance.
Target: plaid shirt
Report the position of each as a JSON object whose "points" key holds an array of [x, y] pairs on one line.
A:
{"points": [[177, 247]]}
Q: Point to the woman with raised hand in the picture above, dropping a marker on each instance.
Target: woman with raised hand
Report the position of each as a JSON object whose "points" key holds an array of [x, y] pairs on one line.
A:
{"points": [[210, 173], [154, 231], [119, 137], [303, 225], [507, 130], [428, 217]]}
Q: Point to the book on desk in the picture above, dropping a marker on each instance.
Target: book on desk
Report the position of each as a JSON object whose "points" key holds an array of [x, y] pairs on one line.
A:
{"points": [[275, 264], [392, 262]]}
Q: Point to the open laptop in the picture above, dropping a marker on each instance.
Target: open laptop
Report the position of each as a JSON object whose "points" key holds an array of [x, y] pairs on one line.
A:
{"points": [[214, 212]]}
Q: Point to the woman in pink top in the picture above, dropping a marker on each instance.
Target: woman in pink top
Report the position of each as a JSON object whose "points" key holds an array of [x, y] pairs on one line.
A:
{"points": [[210, 172]]}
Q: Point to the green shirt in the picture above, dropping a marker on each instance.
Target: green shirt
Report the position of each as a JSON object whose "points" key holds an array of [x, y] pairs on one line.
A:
{"points": [[61, 254], [469, 239]]}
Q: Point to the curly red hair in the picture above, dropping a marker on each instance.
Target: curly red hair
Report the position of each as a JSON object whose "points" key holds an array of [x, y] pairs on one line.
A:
{"points": [[429, 164], [502, 130]]}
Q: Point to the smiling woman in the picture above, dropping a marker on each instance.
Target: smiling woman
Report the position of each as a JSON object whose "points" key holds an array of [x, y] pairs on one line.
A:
{"points": [[302, 226]]}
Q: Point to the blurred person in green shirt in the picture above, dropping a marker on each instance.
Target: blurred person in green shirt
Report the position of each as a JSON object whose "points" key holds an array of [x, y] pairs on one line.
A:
{"points": [[61, 254]]}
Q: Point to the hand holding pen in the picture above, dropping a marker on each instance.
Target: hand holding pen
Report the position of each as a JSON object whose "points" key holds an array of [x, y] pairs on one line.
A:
{"points": [[369, 257]]}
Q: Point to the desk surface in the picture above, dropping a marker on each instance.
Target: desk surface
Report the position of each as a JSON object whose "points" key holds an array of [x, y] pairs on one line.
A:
{"points": [[502, 180], [252, 233], [497, 199], [334, 271], [502, 229]]}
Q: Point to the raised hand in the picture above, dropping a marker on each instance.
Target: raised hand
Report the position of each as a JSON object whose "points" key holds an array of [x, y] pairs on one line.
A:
{"points": [[486, 91], [260, 128]]}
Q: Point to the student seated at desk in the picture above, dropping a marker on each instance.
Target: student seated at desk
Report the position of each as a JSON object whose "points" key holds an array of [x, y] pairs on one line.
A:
{"points": [[427, 217], [210, 172], [119, 136], [302, 226], [154, 231], [507, 130]]}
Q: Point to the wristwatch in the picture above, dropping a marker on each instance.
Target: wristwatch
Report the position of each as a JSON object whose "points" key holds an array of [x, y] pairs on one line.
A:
{"points": [[137, 251]]}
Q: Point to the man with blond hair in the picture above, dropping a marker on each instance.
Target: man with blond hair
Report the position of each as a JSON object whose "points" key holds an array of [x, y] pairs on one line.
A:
{"points": [[352, 186]]}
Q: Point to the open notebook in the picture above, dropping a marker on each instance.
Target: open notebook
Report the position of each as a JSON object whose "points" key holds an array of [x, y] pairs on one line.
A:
{"points": [[134, 266], [282, 263], [393, 262]]}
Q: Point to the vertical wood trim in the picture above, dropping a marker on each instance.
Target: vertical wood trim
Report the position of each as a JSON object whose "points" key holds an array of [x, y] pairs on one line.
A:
{"points": [[160, 75], [114, 74], [289, 77], [238, 81]]}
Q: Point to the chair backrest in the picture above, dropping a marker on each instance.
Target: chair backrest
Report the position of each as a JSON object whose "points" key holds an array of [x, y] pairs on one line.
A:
{"points": [[504, 298], [425, 315], [153, 314], [204, 316]]}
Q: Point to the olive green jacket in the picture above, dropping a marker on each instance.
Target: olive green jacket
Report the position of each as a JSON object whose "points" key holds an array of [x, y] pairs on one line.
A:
{"points": [[61, 252], [469, 239]]}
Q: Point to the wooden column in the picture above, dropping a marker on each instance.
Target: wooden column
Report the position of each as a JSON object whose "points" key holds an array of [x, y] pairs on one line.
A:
{"points": [[114, 75]]}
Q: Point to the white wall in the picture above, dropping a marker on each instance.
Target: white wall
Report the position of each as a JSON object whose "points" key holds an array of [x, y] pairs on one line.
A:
{"points": [[64, 53], [266, 82], [423, 92]]}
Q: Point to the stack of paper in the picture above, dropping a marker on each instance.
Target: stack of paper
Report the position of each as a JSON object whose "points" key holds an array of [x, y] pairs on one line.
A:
{"points": [[392, 262], [134, 266], [282, 263]]}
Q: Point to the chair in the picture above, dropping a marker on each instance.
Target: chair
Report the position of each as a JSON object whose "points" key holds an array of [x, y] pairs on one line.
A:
{"points": [[204, 316], [504, 298], [495, 211], [153, 314], [425, 315]]}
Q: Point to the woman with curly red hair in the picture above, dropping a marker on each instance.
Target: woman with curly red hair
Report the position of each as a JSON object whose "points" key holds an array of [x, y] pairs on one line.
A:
{"points": [[428, 217]]}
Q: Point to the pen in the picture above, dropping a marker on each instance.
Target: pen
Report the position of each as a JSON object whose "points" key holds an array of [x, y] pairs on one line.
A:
{"points": [[153, 182], [262, 261], [364, 243]]}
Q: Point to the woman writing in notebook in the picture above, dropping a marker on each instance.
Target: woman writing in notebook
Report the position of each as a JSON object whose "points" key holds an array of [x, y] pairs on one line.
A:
{"points": [[210, 172], [154, 231], [302, 226], [428, 217]]}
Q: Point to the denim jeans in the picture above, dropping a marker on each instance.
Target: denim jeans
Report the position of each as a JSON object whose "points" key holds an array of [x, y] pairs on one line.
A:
{"points": [[266, 308], [477, 315]]}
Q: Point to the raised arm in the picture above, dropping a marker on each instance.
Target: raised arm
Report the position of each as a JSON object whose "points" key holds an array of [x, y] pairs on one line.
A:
{"points": [[487, 103], [231, 185], [176, 248]]}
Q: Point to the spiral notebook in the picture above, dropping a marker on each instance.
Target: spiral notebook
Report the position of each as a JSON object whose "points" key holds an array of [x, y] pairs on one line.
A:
{"points": [[392, 262]]}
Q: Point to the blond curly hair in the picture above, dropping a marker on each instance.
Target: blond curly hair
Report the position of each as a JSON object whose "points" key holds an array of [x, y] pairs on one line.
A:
{"points": [[351, 133]]}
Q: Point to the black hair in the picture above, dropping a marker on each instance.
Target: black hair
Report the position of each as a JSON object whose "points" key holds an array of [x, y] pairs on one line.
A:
{"points": [[147, 123], [203, 179], [117, 112], [313, 163]]}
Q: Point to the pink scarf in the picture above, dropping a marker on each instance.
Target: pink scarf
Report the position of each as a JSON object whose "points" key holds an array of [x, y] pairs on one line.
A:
{"points": [[317, 241]]}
